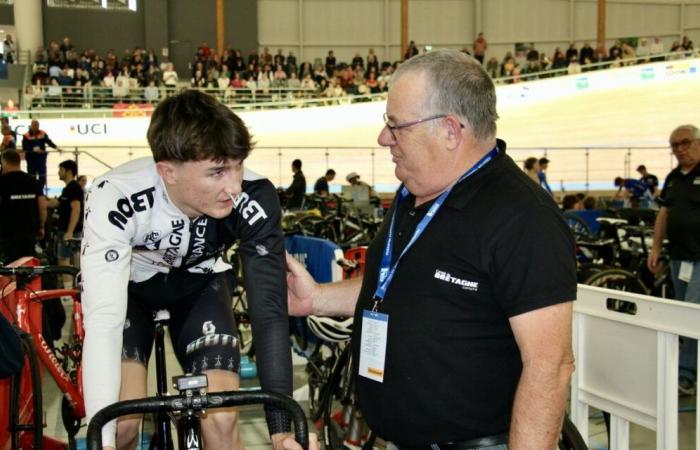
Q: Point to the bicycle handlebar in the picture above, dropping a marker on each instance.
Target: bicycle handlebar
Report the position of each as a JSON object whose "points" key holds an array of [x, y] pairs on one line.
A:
{"points": [[181, 403], [28, 271]]}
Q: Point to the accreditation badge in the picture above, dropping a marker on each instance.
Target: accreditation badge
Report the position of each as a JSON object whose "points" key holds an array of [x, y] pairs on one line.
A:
{"points": [[686, 271], [373, 345]]}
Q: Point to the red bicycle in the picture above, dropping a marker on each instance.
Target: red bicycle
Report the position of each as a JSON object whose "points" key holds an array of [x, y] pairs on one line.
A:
{"points": [[21, 416]]}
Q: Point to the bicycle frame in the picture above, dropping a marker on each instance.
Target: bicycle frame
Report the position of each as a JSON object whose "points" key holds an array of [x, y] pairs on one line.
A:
{"points": [[23, 302], [72, 389]]}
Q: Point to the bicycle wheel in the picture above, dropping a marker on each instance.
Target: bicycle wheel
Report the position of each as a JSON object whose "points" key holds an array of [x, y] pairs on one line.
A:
{"points": [[571, 439], [619, 280], [240, 315], [578, 226], [16, 428]]}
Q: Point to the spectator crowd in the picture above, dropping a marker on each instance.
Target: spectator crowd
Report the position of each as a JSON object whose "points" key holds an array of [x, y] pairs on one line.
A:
{"points": [[61, 74]]}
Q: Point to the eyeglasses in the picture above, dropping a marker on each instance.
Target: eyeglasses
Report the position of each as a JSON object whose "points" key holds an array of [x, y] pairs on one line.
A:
{"points": [[685, 143], [392, 128]]}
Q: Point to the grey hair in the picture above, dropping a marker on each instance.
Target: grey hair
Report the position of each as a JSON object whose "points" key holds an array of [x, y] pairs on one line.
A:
{"points": [[692, 128], [459, 86]]}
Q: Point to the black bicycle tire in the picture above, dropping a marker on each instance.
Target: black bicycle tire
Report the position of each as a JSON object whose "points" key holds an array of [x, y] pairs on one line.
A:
{"points": [[615, 275], [580, 225], [38, 405], [331, 431]]}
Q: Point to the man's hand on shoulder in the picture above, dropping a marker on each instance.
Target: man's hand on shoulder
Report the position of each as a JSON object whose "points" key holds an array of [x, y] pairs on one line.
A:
{"points": [[300, 289]]}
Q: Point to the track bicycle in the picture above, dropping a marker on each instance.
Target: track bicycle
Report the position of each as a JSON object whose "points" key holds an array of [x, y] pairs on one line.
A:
{"points": [[185, 410], [23, 301]]}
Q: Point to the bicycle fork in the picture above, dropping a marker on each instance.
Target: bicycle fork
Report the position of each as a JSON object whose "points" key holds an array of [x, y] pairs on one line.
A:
{"points": [[165, 437]]}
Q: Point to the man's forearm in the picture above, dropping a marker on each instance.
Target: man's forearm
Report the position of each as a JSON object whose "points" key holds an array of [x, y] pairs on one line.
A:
{"points": [[660, 229], [538, 409], [337, 299]]}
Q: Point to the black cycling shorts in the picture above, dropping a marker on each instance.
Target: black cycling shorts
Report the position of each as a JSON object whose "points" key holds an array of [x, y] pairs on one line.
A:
{"points": [[202, 327]]}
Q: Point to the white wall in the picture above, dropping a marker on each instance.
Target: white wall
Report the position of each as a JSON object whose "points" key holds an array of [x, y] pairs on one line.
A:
{"points": [[311, 27]]}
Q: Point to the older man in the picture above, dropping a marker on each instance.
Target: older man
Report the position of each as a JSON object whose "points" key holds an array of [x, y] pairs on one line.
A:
{"points": [[34, 144], [679, 221], [460, 340]]}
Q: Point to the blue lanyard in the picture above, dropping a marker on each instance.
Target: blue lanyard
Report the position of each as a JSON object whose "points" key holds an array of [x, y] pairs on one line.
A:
{"points": [[386, 270]]}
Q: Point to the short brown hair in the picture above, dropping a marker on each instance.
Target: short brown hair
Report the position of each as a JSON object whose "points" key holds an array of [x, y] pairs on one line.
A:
{"points": [[194, 126]]}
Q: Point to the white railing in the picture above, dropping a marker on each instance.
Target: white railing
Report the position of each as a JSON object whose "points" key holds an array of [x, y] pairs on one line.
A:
{"points": [[577, 169], [627, 364]]}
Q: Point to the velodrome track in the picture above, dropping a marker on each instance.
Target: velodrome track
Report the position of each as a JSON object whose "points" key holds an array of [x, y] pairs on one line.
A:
{"points": [[613, 108]]}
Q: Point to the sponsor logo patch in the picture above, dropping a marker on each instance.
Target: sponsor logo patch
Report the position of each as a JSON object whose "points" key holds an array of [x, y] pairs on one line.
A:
{"points": [[111, 255], [465, 284]]}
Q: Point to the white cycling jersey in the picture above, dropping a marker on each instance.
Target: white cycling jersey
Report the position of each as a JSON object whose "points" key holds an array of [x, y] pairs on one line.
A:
{"points": [[132, 231]]}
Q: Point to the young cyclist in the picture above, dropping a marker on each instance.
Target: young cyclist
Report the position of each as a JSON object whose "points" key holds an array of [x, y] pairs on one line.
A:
{"points": [[155, 229]]}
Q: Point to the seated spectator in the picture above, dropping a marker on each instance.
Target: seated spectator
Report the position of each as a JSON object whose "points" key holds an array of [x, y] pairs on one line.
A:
{"points": [[643, 50], [293, 82], [308, 82], [628, 54], [574, 67], [589, 203], [320, 74], [545, 63], [53, 93], [571, 52], [237, 82], [305, 69], [198, 79], [492, 67], [559, 60], [587, 54], [223, 82], [121, 84], [170, 77], [570, 202], [656, 48], [151, 93], [384, 78], [373, 83], [66, 77], [334, 90]]}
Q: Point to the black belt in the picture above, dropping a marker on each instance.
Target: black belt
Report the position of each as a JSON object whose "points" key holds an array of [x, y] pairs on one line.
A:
{"points": [[487, 441]]}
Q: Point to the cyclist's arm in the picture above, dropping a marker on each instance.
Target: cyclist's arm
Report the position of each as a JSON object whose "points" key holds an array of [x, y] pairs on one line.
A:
{"points": [[306, 297], [544, 339], [105, 265], [258, 223]]}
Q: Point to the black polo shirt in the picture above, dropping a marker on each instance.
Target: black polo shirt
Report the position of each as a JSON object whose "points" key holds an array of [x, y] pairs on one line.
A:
{"points": [[71, 192], [681, 195], [19, 211], [497, 248]]}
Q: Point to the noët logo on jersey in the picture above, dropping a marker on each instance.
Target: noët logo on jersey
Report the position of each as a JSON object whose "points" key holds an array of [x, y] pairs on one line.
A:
{"points": [[445, 276], [127, 207], [249, 209]]}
